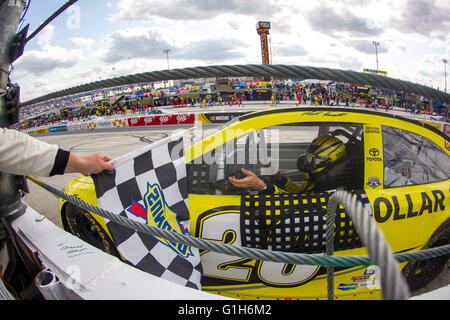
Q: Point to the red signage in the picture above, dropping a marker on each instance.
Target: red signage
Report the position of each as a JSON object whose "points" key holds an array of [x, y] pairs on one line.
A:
{"points": [[164, 119], [446, 129]]}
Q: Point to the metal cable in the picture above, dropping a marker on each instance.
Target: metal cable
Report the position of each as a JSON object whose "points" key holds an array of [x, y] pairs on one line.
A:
{"points": [[393, 284], [50, 19], [275, 256], [329, 246]]}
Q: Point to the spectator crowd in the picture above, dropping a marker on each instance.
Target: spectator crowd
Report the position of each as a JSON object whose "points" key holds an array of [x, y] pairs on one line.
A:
{"points": [[314, 94]]}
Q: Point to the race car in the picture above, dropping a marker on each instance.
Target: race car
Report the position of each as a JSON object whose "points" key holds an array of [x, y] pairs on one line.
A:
{"points": [[398, 168]]}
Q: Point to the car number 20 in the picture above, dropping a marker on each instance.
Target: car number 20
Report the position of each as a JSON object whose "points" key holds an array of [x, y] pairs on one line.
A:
{"points": [[224, 226]]}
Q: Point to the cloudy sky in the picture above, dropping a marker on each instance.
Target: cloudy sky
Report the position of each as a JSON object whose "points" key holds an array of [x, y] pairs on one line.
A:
{"points": [[101, 39]]}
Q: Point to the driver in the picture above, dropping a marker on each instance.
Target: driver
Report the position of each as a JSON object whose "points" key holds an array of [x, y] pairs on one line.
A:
{"points": [[323, 151]]}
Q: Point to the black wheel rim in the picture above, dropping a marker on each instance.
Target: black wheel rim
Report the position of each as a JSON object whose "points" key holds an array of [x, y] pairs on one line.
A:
{"points": [[88, 232]]}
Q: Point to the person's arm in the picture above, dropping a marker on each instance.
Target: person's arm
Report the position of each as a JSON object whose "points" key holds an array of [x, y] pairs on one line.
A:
{"points": [[24, 155], [280, 184], [284, 184], [87, 165], [251, 181]]}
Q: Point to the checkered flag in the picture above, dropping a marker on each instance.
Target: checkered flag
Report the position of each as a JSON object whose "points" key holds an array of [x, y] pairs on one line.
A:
{"points": [[150, 186]]}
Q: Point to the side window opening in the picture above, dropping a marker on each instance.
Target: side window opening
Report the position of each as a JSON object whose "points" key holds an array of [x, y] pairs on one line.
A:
{"points": [[269, 150], [411, 159]]}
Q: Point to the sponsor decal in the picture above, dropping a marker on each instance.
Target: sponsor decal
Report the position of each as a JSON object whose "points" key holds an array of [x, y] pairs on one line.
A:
{"points": [[181, 118], [41, 131], [164, 119], [119, 123], [371, 284], [374, 182], [148, 120], [221, 118], [369, 271], [370, 129], [58, 128], [385, 208], [324, 113], [374, 154], [346, 287], [161, 120], [91, 125], [360, 278], [105, 124], [157, 213], [446, 128]]}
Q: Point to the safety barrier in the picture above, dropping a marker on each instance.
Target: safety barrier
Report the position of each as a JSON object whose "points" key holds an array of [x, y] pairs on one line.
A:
{"points": [[213, 116], [133, 121]]}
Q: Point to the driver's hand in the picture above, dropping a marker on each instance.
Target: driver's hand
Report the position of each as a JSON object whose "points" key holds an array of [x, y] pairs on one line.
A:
{"points": [[278, 176], [251, 181]]}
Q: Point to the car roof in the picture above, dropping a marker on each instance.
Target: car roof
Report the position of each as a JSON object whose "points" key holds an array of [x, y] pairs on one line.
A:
{"points": [[331, 109], [312, 116]]}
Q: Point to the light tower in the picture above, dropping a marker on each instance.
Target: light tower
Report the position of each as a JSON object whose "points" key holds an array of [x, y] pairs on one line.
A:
{"points": [[445, 74], [166, 51], [262, 28], [376, 44]]}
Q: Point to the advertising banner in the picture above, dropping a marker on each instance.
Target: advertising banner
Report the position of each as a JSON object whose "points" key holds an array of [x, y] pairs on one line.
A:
{"points": [[104, 124], [166, 119], [437, 125], [446, 128], [80, 126], [41, 131], [120, 123], [91, 125], [239, 84], [58, 128]]}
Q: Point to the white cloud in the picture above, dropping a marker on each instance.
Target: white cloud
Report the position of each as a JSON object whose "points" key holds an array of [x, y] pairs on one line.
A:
{"points": [[430, 18], [324, 33], [147, 44], [86, 43], [47, 58], [147, 10], [45, 36]]}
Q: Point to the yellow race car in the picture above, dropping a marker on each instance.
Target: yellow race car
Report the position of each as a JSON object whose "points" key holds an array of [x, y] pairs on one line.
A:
{"points": [[397, 167]]}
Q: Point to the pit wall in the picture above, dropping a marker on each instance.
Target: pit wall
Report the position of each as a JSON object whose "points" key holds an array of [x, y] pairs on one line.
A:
{"points": [[136, 121]]}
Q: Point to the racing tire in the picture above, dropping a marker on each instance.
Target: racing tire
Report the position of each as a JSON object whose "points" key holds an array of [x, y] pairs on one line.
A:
{"points": [[80, 223], [420, 273]]}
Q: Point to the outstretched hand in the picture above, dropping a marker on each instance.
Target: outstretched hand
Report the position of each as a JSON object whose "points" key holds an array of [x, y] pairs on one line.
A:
{"points": [[251, 181], [87, 165]]}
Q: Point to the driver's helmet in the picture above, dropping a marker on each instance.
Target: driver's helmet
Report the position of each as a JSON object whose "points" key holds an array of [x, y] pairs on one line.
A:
{"points": [[323, 151]]}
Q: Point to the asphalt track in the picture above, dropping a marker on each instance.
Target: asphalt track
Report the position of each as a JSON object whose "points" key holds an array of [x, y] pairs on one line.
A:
{"points": [[116, 143]]}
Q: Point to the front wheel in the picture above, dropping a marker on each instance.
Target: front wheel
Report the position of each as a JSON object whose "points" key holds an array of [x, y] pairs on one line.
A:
{"points": [[80, 223], [420, 273]]}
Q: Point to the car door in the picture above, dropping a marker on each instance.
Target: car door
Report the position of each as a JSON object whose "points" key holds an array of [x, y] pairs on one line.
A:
{"points": [[407, 183], [217, 208]]}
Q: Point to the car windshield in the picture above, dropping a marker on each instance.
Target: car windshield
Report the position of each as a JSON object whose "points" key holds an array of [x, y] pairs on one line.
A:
{"points": [[411, 159], [201, 131]]}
